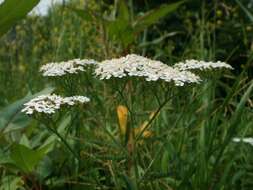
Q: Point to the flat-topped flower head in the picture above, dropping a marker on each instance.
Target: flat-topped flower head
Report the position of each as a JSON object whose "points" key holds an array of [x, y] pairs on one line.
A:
{"points": [[48, 104], [138, 66], [248, 140], [66, 67], [192, 64]]}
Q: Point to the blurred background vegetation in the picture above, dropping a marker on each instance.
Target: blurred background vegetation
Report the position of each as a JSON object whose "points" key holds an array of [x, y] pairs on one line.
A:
{"points": [[99, 29], [215, 30]]}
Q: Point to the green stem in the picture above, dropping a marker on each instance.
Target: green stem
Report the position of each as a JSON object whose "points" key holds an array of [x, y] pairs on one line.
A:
{"points": [[64, 142], [154, 117]]}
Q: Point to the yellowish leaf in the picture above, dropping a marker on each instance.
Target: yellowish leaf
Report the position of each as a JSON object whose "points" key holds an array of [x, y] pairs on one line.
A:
{"points": [[146, 133], [122, 113]]}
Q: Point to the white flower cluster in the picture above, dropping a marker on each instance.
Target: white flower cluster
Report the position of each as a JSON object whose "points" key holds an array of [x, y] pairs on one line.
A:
{"points": [[69, 67], [201, 65], [245, 140], [151, 70], [48, 104]]}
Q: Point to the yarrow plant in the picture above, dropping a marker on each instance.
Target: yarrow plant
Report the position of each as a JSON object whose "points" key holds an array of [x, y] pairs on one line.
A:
{"points": [[70, 76], [133, 65], [48, 104], [137, 66], [157, 77], [248, 140], [192, 64], [66, 67]]}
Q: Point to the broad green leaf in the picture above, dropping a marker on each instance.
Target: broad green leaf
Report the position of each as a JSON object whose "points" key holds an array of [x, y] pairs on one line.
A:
{"points": [[45, 168], [153, 16], [25, 158], [25, 141], [5, 158], [120, 31], [50, 141], [10, 116], [123, 11], [12, 11]]}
